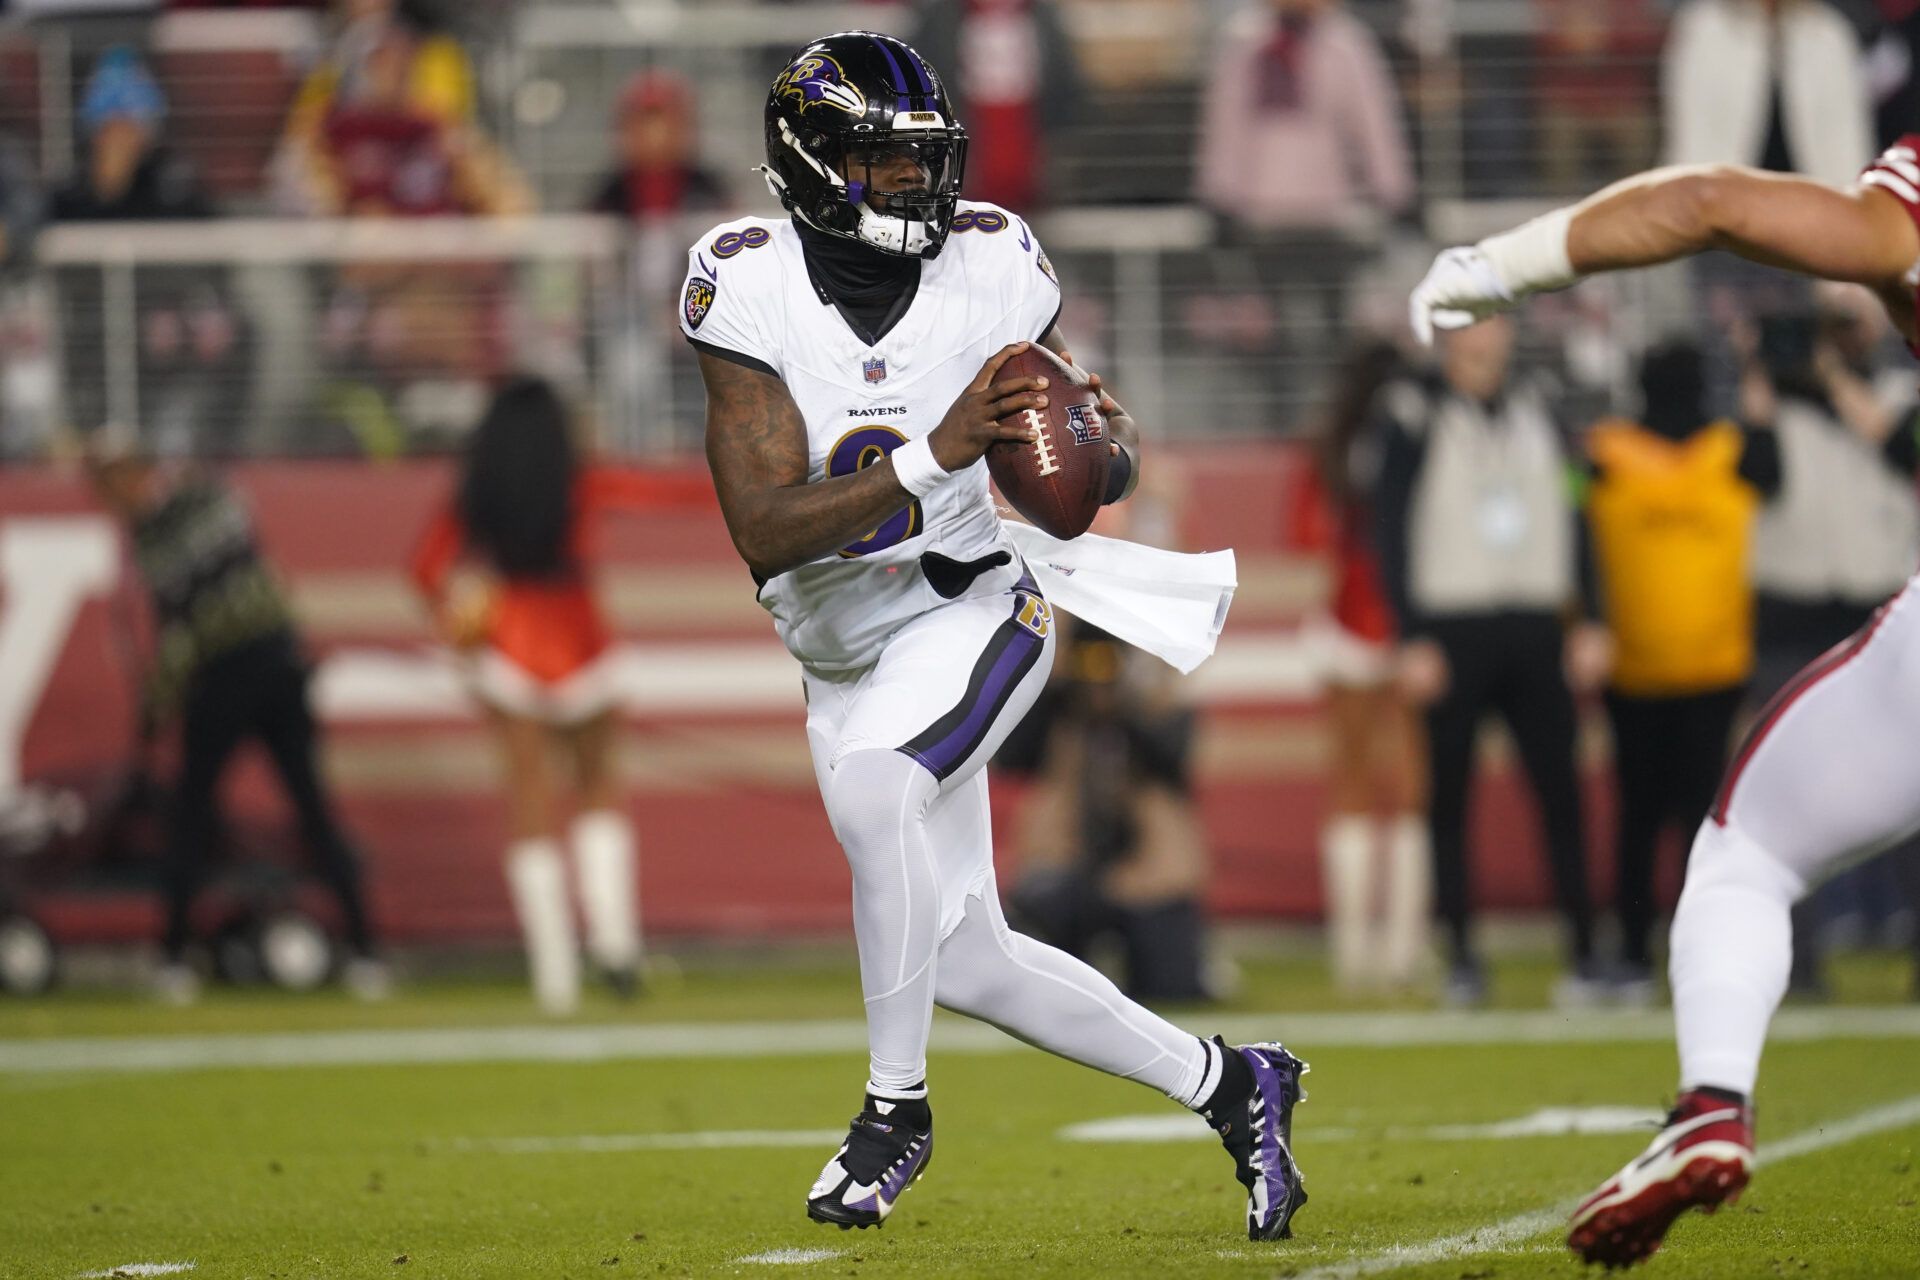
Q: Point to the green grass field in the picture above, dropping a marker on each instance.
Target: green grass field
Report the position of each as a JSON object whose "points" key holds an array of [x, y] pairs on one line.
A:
{"points": [[417, 1151]]}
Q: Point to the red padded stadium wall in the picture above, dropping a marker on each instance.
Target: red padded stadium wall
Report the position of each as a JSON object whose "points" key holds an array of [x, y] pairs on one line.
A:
{"points": [[732, 837]]}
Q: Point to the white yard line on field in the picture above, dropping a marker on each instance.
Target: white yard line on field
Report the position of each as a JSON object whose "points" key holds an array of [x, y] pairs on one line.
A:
{"points": [[1178, 1126], [709, 1140], [639, 1041], [790, 1257], [137, 1269], [1501, 1235], [1548, 1122]]}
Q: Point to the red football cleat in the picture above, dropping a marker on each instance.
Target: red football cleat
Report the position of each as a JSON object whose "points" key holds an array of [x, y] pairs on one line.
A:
{"points": [[1702, 1157]]}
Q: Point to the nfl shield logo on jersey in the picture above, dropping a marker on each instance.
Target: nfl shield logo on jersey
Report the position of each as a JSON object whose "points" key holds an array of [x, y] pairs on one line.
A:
{"points": [[1084, 422], [699, 301], [875, 369]]}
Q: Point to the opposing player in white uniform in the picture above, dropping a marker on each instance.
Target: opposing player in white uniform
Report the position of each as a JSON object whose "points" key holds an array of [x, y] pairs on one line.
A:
{"points": [[1831, 771], [850, 354]]}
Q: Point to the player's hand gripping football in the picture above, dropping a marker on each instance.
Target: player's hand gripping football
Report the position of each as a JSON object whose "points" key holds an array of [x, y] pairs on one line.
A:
{"points": [[1462, 288], [1109, 409], [973, 423]]}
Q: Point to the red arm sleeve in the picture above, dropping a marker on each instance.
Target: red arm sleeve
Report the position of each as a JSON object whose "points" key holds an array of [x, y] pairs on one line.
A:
{"points": [[624, 488], [438, 548]]}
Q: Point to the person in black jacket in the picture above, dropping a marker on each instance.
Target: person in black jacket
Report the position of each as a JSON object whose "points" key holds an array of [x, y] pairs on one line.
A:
{"points": [[1484, 559], [227, 664]]}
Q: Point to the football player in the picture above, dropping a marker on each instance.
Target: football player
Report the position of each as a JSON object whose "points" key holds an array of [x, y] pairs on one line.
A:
{"points": [[851, 354], [1831, 770]]}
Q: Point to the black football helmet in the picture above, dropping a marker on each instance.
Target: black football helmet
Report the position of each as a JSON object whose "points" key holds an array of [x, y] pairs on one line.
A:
{"points": [[842, 99]]}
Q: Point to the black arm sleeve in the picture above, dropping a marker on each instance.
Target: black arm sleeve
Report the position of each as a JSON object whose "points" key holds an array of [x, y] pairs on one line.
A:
{"points": [[1119, 476], [1760, 460], [1402, 454]]}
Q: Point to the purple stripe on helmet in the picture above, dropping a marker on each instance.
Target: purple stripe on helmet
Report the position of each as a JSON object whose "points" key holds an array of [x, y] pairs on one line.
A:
{"points": [[919, 69], [942, 757], [900, 85]]}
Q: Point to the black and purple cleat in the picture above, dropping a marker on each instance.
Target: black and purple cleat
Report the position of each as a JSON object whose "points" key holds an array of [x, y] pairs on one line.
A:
{"points": [[1259, 1137], [888, 1147]]}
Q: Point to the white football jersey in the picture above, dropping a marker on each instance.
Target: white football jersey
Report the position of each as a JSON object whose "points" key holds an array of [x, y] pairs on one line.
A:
{"points": [[748, 297]]}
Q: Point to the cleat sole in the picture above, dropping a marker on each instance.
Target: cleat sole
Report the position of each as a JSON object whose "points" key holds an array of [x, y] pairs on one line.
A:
{"points": [[1631, 1230]]}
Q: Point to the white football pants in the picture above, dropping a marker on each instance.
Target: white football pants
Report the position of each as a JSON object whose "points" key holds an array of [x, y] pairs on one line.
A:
{"points": [[1830, 773], [900, 751]]}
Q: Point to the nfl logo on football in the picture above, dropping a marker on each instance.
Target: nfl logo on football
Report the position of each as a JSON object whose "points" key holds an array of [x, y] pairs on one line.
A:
{"points": [[1084, 423], [875, 369]]}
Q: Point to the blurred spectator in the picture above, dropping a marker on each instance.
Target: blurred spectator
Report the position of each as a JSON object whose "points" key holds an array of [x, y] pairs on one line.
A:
{"points": [[658, 172], [27, 381], [129, 173], [1594, 77], [1301, 121], [1015, 84], [1300, 154], [1375, 861], [1772, 83], [1483, 556], [1111, 845], [1672, 506], [228, 665], [1845, 532], [507, 567], [1842, 538], [193, 345], [385, 129], [22, 206], [438, 74]]}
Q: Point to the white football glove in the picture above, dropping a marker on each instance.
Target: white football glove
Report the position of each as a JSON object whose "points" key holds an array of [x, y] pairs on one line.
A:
{"points": [[1462, 288]]}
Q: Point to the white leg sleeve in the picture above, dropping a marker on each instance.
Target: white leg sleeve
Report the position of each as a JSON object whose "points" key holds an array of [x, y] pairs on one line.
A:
{"points": [[1730, 951], [603, 860], [878, 803], [1049, 999], [1347, 857], [537, 882], [1830, 771]]}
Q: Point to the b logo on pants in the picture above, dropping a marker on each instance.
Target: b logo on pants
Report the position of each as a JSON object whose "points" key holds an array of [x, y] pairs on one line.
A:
{"points": [[1035, 614]]}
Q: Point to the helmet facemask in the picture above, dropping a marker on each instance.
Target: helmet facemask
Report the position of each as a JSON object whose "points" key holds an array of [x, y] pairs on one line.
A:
{"points": [[851, 172]]}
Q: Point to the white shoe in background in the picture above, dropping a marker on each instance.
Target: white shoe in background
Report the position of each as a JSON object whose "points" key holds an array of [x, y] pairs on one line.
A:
{"points": [[176, 984], [367, 980]]}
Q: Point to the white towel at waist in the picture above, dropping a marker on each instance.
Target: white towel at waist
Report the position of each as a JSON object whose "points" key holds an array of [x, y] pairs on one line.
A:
{"points": [[1170, 603]]}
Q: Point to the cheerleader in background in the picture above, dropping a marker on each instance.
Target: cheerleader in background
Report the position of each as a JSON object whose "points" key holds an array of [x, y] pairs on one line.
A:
{"points": [[506, 567], [1376, 870]]}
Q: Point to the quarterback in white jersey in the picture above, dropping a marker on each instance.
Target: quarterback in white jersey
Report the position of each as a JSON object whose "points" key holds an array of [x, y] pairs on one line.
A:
{"points": [[1831, 770], [850, 352], [750, 296]]}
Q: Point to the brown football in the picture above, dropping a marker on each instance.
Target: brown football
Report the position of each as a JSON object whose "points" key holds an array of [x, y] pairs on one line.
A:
{"points": [[1056, 481]]}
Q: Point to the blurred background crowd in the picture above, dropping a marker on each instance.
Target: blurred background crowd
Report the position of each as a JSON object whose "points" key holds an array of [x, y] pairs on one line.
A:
{"points": [[249, 232]]}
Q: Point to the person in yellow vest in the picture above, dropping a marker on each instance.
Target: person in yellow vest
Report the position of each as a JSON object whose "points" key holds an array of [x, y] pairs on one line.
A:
{"points": [[1671, 505]]}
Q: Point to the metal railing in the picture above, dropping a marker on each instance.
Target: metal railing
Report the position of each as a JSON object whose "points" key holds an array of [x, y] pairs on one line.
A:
{"points": [[375, 337]]}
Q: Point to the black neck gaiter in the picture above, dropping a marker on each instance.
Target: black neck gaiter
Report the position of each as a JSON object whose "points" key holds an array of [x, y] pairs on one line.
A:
{"points": [[871, 289]]}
